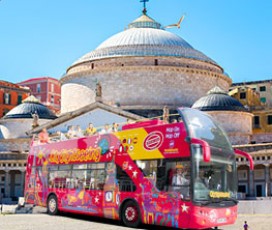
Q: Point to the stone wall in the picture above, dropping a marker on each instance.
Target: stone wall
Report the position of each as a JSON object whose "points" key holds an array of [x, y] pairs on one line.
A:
{"points": [[15, 145], [143, 61], [262, 137], [255, 207], [17, 128], [141, 85], [238, 125], [76, 95]]}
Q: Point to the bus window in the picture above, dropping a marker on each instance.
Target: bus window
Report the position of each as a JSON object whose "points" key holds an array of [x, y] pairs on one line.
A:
{"points": [[178, 177], [95, 176], [59, 179], [149, 168], [124, 181], [79, 176], [154, 169]]}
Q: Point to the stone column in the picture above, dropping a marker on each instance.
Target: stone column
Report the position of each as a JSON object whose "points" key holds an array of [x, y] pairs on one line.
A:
{"points": [[22, 182], [267, 181], [7, 184], [251, 183]]}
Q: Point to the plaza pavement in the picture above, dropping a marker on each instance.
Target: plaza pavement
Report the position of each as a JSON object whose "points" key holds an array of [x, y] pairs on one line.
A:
{"points": [[41, 221]]}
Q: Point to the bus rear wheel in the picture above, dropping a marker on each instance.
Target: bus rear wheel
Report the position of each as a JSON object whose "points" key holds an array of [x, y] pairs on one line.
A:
{"points": [[131, 214], [52, 205]]}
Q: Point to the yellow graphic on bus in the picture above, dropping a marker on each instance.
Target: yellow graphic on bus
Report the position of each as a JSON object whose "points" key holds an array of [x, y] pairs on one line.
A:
{"points": [[215, 194], [133, 141]]}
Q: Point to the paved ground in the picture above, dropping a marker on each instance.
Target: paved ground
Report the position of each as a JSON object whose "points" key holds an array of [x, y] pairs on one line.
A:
{"points": [[43, 221]]}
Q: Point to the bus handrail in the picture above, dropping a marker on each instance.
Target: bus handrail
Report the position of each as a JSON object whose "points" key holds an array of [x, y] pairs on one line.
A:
{"points": [[246, 155], [205, 147]]}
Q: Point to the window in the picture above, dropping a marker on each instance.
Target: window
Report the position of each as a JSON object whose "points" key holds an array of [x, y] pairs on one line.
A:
{"points": [[39, 98], [259, 174], [156, 62], [243, 95], [262, 88], [163, 173], [19, 101], [242, 174], [5, 112], [7, 98], [256, 121], [38, 88], [52, 99], [269, 119], [52, 87], [124, 181], [96, 176], [263, 99]]}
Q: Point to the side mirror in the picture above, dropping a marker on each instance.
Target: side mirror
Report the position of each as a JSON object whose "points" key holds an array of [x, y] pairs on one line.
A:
{"points": [[205, 148], [246, 155]]}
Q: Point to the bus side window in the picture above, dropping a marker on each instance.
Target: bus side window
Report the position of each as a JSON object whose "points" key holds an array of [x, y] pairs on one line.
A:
{"points": [[124, 181], [95, 177]]}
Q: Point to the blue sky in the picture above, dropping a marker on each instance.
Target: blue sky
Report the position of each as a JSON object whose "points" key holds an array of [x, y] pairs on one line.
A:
{"points": [[44, 37]]}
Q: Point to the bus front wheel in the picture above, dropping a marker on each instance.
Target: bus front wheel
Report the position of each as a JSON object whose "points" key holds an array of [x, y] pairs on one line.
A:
{"points": [[52, 205], [131, 214]]}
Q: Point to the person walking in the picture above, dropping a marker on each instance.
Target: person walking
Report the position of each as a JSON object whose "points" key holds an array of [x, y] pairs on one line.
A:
{"points": [[246, 226]]}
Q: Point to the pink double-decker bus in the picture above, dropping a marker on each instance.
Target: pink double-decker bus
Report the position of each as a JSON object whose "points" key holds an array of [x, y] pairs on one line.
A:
{"points": [[180, 175]]}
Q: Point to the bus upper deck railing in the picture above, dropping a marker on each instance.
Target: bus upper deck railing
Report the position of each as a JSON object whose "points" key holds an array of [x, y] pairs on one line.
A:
{"points": [[61, 136]]}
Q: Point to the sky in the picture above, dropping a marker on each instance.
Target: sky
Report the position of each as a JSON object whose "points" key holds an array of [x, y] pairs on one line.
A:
{"points": [[44, 37]]}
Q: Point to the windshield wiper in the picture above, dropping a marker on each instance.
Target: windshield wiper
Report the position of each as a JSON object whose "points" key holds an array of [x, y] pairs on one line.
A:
{"points": [[231, 199], [207, 202]]}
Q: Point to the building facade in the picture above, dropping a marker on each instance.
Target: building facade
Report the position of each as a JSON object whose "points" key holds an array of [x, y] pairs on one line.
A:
{"points": [[256, 97], [11, 95], [264, 88], [262, 112], [47, 90], [14, 145]]}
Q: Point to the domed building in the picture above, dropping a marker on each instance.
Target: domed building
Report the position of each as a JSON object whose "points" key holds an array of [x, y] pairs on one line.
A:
{"points": [[142, 68], [229, 112], [20, 119]]}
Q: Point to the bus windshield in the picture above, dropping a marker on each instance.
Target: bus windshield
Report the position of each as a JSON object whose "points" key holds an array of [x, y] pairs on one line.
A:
{"points": [[215, 180]]}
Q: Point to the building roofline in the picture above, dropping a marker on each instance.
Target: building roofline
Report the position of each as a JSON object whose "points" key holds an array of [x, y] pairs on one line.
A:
{"points": [[37, 79], [10, 85], [251, 82], [70, 115]]}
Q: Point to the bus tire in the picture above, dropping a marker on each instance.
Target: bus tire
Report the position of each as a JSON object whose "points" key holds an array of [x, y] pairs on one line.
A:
{"points": [[52, 205], [130, 214]]}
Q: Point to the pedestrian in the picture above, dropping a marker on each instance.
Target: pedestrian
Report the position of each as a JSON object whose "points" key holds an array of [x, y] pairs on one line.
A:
{"points": [[246, 226], [43, 136]]}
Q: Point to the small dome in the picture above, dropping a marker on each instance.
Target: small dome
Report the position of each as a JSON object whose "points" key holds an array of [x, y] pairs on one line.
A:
{"points": [[218, 100], [30, 106]]}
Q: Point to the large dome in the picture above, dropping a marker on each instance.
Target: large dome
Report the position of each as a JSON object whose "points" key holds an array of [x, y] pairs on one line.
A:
{"points": [[141, 68], [145, 37]]}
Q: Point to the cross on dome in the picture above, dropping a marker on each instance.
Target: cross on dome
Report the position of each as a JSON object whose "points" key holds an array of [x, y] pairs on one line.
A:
{"points": [[144, 4]]}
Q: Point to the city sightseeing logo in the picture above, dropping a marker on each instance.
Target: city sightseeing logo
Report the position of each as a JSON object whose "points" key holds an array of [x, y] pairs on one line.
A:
{"points": [[153, 140]]}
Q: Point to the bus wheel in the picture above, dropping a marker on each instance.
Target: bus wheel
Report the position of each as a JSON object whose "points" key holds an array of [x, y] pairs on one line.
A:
{"points": [[131, 214], [52, 205]]}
